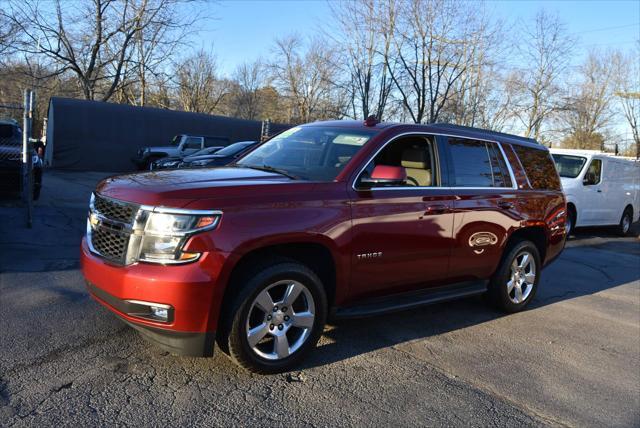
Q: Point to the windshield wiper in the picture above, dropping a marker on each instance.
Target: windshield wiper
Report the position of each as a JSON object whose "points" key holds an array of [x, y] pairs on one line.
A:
{"points": [[269, 168]]}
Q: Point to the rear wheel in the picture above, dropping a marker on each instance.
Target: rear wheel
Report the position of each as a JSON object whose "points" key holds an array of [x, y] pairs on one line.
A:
{"points": [[570, 223], [516, 281], [624, 228], [277, 318]]}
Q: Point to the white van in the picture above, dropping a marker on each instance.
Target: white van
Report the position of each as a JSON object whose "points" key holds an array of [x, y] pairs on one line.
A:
{"points": [[601, 189]]}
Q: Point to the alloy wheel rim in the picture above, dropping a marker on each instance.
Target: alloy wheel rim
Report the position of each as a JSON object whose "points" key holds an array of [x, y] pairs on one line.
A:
{"points": [[626, 223], [280, 319], [523, 277]]}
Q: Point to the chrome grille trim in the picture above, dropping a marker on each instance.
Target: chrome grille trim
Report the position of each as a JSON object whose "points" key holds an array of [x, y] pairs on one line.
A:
{"points": [[114, 228]]}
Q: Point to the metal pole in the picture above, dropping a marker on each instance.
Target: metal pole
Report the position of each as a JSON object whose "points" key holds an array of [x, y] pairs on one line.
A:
{"points": [[27, 159], [32, 102]]}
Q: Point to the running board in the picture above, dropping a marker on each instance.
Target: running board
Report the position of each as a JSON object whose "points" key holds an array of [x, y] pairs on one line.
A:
{"points": [[404, 301]]}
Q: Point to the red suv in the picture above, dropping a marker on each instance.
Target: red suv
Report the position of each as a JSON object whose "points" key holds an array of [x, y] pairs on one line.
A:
{"points": [[325, 221]]}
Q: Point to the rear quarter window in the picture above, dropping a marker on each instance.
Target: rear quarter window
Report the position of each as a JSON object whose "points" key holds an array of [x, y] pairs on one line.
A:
{"points": [[539, 167]]}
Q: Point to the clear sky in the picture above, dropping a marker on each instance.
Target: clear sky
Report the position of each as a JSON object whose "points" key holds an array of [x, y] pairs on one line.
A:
{"points": [[245, 29]]}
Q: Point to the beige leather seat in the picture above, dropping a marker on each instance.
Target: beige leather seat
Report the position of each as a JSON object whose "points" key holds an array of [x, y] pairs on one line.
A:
{"points": [[416, 162]]}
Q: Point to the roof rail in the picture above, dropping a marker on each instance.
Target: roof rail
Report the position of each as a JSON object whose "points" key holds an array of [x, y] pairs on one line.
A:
{"points": [[485, 131]]}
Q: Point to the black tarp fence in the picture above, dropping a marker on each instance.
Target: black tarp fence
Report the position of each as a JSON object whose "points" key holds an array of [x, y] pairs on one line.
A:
{"points": [[100, 136]]}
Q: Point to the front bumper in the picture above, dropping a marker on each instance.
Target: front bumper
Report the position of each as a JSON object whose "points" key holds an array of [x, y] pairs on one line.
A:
{"points": [[187, 289]]}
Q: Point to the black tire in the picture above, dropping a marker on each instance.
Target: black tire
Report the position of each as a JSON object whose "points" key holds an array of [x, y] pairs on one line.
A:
{"points": [[498, 293], [626, 221], [571, 220], [233, 337]]}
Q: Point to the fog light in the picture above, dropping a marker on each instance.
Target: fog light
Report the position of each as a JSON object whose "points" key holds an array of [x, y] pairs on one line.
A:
{"points": [[150, 310], [162, 313]]}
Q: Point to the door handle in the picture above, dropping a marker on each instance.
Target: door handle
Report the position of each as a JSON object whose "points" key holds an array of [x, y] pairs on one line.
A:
{"points": [[436, 209], [505, 205], [599, 191]]}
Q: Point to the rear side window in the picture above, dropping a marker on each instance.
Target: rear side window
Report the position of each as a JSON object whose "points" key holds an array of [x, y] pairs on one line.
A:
{"points": [[539, 167], [477, 164]]}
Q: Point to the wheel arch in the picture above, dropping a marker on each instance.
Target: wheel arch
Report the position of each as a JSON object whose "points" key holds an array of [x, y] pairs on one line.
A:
{"points": [[535, 234], [315, 254]]}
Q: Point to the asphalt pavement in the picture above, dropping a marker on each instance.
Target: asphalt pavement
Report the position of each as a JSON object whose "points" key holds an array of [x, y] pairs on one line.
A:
{"points": [[572, 359]]}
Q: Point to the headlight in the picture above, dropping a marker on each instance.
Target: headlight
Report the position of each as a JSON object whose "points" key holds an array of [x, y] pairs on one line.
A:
{"points": [[165, 234]]}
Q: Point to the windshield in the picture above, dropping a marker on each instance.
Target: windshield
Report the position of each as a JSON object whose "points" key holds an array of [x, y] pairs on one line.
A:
{"points": [[315, 153], [234, 148], [207, 151], [569, 166], [176, 141]]}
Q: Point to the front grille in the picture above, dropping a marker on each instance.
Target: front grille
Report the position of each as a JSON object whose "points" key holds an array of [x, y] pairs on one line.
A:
{"points": [[115, 210], [109, 244], [109, 236]]}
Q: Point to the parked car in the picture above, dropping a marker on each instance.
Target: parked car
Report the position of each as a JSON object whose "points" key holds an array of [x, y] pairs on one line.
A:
{"points": [[180, 146], [174, 161], [220, 158], [11, 161], [327, 220], [601, 189]]}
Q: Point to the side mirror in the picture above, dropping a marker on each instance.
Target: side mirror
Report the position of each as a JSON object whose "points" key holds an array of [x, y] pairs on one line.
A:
{"points": [[385, 175]]}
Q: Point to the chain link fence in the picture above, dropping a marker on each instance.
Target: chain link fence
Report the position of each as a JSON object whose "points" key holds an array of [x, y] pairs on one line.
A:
{"points": [[20, 163]]}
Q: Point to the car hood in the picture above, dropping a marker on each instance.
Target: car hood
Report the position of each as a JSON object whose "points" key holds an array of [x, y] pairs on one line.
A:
{"points": [[177, 188]]}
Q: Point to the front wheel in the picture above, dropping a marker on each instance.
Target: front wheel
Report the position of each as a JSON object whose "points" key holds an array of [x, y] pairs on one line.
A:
{"points": [[515, 282], [278, 317]]}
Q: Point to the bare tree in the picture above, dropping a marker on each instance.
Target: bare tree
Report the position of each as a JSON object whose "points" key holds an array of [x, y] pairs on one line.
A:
{"points": [[199, 88], [627, 90], [305, 77], [482, 95], [7, 36], [96, 40], [430, 41], [364, 32], [588, 108], [250, 79], [545, 53]]}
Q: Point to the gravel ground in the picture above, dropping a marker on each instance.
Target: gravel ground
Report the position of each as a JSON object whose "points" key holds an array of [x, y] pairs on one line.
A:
{"points": [[572, 359]]}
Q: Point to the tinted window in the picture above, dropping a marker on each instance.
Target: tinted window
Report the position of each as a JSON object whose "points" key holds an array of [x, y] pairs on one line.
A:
{"points": [[235, 148], [539, 167], [569, 166], [501, 176], [6, 131], [207, 151], [477, 164]]}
